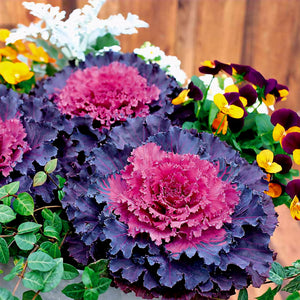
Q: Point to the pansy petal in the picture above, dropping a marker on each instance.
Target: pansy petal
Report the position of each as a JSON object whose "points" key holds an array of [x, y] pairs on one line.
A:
{"points": [[220, 101], [286, 117], [231, 89], [273, 168], [236, 112], [275, 190], [269, 100], [181, 98], [264, 157], [295, 208], [278, 132], [291, 142], [296, 156]]}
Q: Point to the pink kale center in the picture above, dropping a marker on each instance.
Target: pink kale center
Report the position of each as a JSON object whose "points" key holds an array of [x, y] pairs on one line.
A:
{"points": [[177, 199], [108, 94], [12, 144]]}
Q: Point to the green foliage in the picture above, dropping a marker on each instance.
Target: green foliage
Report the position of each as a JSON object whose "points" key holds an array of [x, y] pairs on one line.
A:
{"points": [[35, 235], [94, 282], [243, 295], [39, 178]]}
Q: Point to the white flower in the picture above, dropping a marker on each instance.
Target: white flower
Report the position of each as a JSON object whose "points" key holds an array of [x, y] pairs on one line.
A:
{"points": [[170, 64], [77, 33]]}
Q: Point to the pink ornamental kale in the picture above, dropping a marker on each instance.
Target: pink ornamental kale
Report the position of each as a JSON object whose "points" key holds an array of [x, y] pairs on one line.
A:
{"points": [[178, 199], [108, 94], [12, 144]]}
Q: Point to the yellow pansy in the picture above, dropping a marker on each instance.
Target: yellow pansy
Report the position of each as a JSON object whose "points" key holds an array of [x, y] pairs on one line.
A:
{"points": [[181, 98], [9, 53], [265, 160], [233, 111], [295, 208], [14, 73]]}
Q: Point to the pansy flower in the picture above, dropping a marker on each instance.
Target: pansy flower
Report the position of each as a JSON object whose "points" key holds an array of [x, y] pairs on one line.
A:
{"points": [[293, 190], [285, 121], [183, 214], [37, 54], [274, 92], [265, 159], [214, 67], [192, 92], [249, 74], [291, 145]]}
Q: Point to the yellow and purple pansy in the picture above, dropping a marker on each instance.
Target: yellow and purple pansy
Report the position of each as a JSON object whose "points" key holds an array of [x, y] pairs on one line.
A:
{"points": [[293, 190]]}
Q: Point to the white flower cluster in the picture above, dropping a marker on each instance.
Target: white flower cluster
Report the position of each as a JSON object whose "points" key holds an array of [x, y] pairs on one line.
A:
{"points": [[77, 33], [170, 64]]}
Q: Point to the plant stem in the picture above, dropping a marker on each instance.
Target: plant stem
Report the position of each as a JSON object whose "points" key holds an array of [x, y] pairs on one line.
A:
{"points": [[23, 271], [35, 295], [63, 240], [52, 180], [50, 206]]}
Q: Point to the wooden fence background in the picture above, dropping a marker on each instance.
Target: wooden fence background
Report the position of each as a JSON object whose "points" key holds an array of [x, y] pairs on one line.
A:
{"points": [[262, 33]]}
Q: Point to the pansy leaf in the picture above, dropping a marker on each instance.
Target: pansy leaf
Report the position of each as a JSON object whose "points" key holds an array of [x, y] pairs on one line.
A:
{"points": [[269, 294], [294, 296], [243, 294]]}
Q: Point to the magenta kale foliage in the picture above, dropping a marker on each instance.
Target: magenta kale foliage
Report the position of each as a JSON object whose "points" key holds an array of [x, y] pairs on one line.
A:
{"points": [[228, 256]]}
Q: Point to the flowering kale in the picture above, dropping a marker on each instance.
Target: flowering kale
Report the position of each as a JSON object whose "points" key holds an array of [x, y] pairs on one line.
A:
{"points": [[183, 213], [29, 126], [111, 88]]}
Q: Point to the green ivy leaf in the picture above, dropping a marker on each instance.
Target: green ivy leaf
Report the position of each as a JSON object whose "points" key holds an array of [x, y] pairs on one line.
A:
{"points": [[55, 222], [74, 290], [70, 272], [50, 231], [90, 278], [53, 277], [27, 227], [91, 294], [50, 166], [51, 248], [294, 296], [277, 273], [33, 280], [24, 204], [263, 123], [6, 214], [7, 200], [61, 181], [4, 252], [41, 261], [99, 266], [6, 294], [12, 188], [243, 295], [47, 214], [293, 285], [39, 178], [28, 295], [104, 284], [25, 241], [17, 269]]}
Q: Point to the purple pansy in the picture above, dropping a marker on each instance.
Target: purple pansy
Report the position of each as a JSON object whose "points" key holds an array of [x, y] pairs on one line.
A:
{"points": [[176, 249]]}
